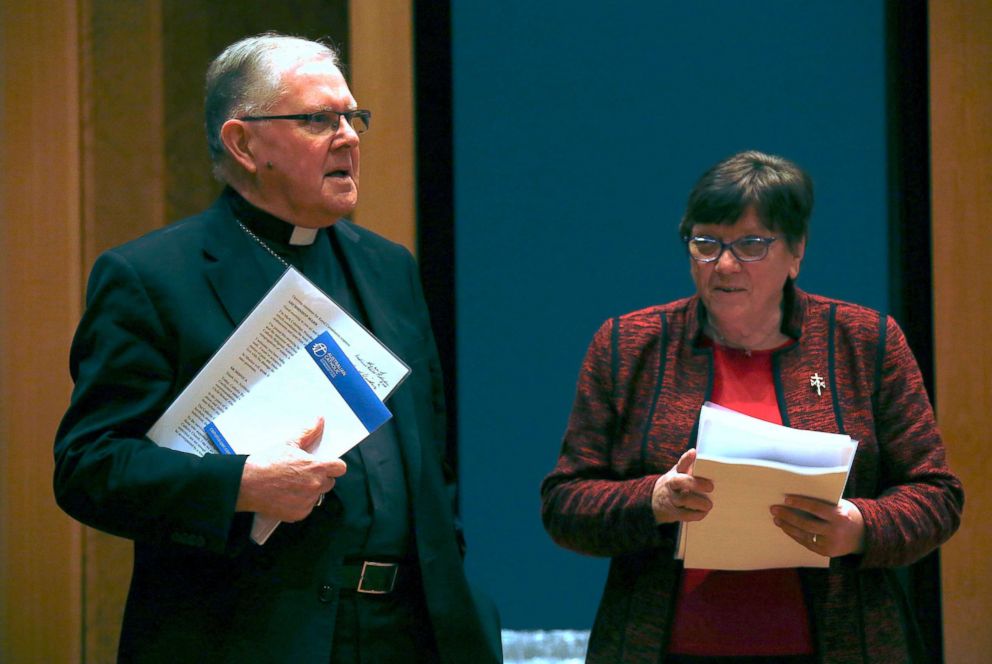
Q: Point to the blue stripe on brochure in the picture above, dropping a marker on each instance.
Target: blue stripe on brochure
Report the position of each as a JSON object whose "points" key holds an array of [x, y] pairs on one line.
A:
{"points": [[359, 396], [217, 438]]}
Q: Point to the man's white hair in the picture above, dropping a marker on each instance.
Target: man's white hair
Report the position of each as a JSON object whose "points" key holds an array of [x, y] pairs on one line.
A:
{"points": [[246, 79]]}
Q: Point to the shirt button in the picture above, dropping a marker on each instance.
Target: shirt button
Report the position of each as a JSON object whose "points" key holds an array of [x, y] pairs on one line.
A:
{"points": [[326, 593]]}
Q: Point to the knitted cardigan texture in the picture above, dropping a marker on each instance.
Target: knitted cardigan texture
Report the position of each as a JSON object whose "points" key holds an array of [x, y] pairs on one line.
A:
{"points": [[642, 383]]}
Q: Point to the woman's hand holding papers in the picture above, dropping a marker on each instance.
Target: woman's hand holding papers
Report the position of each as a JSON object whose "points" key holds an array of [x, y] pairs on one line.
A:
{"points": [[286, 481], [830, 530], [678, 496]]}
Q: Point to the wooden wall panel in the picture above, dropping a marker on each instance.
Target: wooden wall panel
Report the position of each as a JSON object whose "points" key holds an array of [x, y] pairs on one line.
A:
{"points": [[382, 80], [961, 137], [122, 197], [40, 575], [122, 118]]}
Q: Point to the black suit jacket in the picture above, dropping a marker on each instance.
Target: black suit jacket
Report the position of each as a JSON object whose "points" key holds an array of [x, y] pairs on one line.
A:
{"points": [[157, 308]]}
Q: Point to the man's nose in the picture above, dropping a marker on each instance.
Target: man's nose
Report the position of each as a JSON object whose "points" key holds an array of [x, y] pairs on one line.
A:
{"points": [[345, 135]]}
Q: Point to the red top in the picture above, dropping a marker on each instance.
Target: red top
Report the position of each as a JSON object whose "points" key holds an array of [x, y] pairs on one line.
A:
{"points": [[761, 612]]}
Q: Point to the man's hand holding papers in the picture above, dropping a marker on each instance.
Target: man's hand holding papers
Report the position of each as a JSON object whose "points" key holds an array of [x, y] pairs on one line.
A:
{"points": [[288, 492], [317, 384], [262, 387]]}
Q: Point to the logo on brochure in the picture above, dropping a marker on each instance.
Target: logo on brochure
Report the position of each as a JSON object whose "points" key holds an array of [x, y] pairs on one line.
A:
{"points": [[319, 349]]}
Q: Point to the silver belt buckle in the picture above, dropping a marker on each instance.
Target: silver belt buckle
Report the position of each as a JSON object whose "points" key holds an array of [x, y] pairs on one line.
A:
{"points": [[392, 579]]}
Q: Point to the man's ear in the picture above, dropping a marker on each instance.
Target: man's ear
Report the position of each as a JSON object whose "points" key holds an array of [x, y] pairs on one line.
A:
{"points": [[236, 137]]}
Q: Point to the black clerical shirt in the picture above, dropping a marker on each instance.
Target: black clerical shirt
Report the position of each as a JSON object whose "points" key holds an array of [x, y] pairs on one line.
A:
{"points": [[375, 521]]}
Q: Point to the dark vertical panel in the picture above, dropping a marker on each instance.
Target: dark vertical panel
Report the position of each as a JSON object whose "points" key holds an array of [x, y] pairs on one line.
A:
{"points": [[435, 187], [910, 285]]}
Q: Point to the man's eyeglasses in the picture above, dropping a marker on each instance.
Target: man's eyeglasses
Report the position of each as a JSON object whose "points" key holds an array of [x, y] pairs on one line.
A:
{"points": [[706, 249], [322, 122]]}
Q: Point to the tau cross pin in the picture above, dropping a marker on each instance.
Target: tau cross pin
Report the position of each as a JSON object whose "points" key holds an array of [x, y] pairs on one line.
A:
{"points": [[817, 381]]}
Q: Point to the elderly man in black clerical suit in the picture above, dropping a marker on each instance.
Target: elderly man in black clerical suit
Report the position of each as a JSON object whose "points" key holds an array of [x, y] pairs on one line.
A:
{"points": [[283, 130]]}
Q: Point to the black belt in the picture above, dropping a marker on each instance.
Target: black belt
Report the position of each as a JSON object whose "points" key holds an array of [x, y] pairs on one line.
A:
{"points": [[372, 578]]}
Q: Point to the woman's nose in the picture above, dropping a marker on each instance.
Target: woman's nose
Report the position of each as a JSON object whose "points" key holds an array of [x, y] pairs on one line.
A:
{"points": [[727, 262]]}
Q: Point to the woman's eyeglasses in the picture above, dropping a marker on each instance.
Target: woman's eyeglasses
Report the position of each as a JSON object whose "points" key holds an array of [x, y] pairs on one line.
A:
{"points": [[707, 249]]}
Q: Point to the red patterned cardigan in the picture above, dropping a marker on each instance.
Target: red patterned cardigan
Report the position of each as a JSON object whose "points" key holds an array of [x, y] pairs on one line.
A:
{"points": [[642, 383]]}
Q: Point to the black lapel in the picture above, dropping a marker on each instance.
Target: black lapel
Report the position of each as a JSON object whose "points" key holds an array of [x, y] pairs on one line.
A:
{"points": [[372, 284], [240, 271], [371, 281]]}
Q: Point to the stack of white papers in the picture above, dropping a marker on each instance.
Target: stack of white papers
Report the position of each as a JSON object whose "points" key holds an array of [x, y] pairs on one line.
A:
{"points": [[319, 381], [264, 364], [753, 465]]}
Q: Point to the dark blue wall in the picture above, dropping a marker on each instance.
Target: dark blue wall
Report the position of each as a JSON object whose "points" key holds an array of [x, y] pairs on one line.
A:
{"points": [[579, 128]]}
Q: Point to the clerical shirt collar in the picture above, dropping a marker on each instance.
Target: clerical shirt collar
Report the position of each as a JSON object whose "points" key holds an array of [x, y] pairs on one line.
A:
{"points": [[268, 226]]}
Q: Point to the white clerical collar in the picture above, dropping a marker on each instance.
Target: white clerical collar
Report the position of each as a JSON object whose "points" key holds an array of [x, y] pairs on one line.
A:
{"points": [[303, 236]]}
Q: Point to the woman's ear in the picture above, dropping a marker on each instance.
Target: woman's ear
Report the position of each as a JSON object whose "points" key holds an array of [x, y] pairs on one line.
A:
{"points": [[798, 251], [236, 137]]}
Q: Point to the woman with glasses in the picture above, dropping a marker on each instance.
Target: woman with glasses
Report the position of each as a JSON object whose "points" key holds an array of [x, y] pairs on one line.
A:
{"points": [[749, 339]]}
